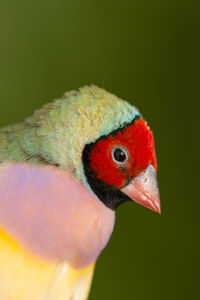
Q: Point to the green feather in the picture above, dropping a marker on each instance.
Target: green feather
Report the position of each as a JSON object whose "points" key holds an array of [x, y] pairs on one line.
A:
{"points": [[58, 132]]}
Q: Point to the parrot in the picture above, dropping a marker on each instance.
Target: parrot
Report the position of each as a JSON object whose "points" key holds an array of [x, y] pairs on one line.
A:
{"points": [[63, 173]]}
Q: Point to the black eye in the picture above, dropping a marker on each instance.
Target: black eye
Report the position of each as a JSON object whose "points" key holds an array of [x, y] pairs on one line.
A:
{"points": [[119, 155]]}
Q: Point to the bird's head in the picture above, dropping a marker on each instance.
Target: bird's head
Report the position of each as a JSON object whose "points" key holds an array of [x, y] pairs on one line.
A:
{"points": [[122, 166], [103, 141]]}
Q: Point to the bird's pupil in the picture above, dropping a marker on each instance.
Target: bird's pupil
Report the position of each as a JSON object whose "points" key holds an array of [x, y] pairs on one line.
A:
{"points": [[119, 155]]}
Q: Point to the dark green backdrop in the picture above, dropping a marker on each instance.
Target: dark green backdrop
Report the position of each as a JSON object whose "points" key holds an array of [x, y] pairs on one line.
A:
{"points": [[143, 51]]}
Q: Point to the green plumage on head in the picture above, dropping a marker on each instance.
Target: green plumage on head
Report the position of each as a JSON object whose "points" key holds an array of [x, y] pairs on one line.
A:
{"points": [[58, 132]]}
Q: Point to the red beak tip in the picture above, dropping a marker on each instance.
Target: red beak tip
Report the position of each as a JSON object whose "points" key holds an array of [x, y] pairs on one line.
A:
{"points": [[158, 211]]}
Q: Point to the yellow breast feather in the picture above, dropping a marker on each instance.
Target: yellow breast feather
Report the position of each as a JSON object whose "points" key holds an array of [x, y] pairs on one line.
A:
{"points": [[24, 277]]}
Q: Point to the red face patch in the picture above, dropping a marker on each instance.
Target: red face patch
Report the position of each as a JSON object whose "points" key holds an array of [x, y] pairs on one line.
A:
{"points": [[124, 155]]}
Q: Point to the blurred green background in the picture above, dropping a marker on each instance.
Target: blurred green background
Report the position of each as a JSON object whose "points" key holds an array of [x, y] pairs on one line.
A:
{"points": [[143, 51]]}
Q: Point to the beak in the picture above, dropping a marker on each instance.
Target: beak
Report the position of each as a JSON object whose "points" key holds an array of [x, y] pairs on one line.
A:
{"points": [[143, 189]]}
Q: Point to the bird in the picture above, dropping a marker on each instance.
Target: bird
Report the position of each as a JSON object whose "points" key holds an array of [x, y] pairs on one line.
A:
{"points": [[63, 173]]}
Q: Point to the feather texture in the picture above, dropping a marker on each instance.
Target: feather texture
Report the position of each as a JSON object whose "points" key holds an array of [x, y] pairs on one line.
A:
{"points": [[52, 226], [58, 132], [23, 276]]}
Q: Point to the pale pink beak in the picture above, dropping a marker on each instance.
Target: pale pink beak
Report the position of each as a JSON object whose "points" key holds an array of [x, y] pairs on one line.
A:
{"points": [[143, 189]]}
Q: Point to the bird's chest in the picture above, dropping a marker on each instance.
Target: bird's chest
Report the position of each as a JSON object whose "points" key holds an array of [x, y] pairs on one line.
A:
{"points": [[51, 215]]}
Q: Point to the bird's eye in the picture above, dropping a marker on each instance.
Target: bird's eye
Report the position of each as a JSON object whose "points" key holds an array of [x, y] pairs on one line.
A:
{"points": [[120, 155]]}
